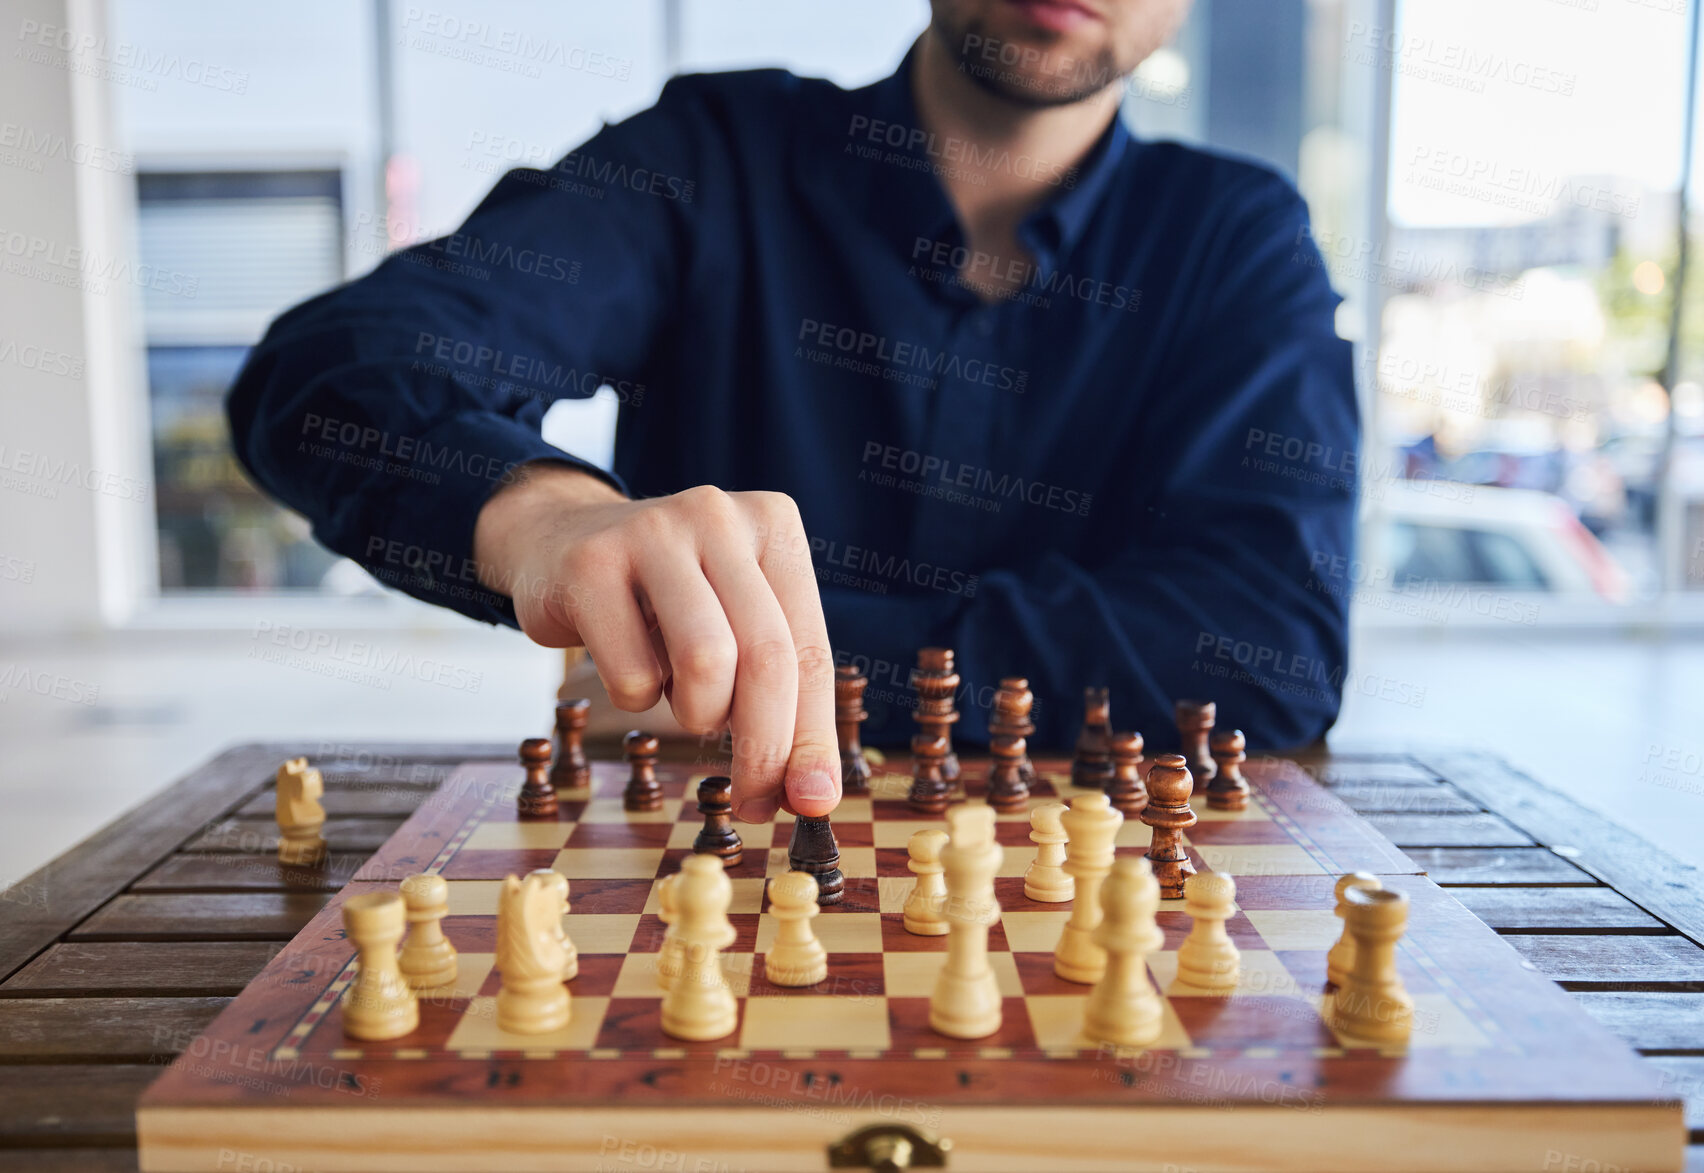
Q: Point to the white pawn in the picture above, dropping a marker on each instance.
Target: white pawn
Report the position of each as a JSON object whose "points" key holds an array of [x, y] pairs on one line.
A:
{"points": [[1091, 823], [1208, 959], [698, 1004], [668, 959], [378, 1004], [532, 999], [923, 908], [1124, 1009], [1341, 959], [1372, 1004], [559, 885], [428, 959], [1046, 879], [796, 958], [966, 1001]]}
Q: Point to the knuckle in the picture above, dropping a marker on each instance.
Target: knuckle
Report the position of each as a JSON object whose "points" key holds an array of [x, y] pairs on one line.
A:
{"points": [[705, 659], [634, 689], [768, 659], [816, 665]]}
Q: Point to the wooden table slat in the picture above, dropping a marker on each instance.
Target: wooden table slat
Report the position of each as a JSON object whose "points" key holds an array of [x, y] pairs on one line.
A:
{"points": [[128, 968], [1650, 1021], [1477, 830], [1497, 865], [1683, 1076], [1339, 772], [40, 1103], [347, 802], [101, 1030], [1555, 909], [195, 871], [238, 916], [261, 835], [1631, 960], [1406, 798]]}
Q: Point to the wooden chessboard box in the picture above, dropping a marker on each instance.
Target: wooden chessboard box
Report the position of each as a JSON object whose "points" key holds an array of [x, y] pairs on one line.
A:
{"points": [[1502, 1070]]}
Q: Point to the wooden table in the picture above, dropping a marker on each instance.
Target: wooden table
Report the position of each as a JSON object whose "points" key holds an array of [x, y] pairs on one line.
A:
{"points": [[117, 954]]}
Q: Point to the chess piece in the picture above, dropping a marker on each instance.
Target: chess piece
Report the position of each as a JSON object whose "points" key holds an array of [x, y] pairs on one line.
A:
{"points": [[698, 1005], [558, 884], [1168, 813], [966, 1001], [428, 960], [1228, 791], [537, 799], [296, 804], [1092, 764], [1091, 824], [1208, 959], [644, 792], [718, 838], [378, 1004], [532, 999], [1124, 1009], [1125, 787], [796, 958], [668, 958], [924, 907], [849, 716], [569, 769], [1011, 718], [812, 850], [929, 790], [1372, 1004], [1046, 879], [1194, 724], [1007, 790], [1341, 959], [937, 683]]}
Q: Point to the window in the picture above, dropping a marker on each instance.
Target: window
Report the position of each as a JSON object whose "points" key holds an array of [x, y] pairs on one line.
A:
{"points": [[230, 251]]}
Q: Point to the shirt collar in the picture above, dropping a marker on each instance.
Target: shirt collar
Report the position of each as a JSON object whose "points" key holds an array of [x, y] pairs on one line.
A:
{"points": [[908, 201]]}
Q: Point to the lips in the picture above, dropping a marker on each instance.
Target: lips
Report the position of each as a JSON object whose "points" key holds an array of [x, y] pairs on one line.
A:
{"points": [[1055, 15]]}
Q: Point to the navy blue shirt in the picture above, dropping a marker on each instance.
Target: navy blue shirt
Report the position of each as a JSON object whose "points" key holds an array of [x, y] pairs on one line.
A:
{"points": [[1128, 474]]}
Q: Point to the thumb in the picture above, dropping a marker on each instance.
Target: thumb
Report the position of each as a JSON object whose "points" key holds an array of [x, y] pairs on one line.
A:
{"points": [[813, 773]]}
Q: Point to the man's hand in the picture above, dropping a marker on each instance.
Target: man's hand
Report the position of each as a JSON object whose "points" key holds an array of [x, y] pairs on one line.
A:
{"points": [[705, 597]]}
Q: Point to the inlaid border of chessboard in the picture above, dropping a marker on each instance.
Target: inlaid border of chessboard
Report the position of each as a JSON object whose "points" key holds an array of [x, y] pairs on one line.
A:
{"points": [[1330, 836]]}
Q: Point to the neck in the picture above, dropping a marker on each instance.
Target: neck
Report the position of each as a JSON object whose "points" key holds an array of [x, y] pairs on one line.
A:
{"points": [[990, 193]]}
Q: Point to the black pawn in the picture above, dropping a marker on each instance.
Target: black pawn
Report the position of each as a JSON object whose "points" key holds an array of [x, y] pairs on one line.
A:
{"points": [[716, 804], [814, 851]]}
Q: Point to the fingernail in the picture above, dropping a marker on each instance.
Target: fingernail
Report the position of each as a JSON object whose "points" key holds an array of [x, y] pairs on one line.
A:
{"points": [[757, 810], [816, 785]]}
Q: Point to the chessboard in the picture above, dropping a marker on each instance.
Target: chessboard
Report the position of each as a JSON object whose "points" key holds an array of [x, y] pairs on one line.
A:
{"points": [[1501, 1070]]}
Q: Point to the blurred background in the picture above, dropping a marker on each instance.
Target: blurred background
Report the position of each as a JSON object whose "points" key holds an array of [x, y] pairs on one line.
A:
{"points": [[1500, 192]]}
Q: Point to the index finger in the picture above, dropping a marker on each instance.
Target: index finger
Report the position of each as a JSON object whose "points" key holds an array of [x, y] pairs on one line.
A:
{"points": [[813, 766]]}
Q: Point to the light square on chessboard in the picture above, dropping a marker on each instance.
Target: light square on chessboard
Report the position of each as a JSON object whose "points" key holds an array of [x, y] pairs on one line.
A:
{"points": [[1254, 812], [610, 810], [1259, 859], [1057, 1020], [815, 1023], [601, 932], [638, 975], [472, 970], [518, 836], [913, 975], [753, 836], [839, 932], [1438, 1023], [1296, 928], [748, 895], [855, 862], [852, 809], [1034, 932], [608, 862], [1261, 974], [473, 898], [478, 1029]]}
